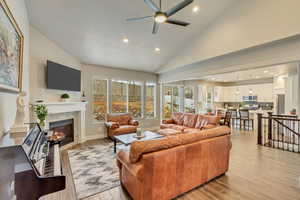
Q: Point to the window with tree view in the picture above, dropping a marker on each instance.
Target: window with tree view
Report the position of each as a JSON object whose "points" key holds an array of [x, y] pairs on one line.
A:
{"points": [[100, 99], [135, 99], [189, 102], [175, 99], [150, 100], [119, 96], [167, 92]]}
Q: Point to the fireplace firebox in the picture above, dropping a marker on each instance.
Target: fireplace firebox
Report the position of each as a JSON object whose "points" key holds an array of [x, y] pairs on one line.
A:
{"points": [[66, 127]]}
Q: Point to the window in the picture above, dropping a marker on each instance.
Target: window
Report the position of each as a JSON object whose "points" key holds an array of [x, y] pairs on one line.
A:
{"points": [[171, 101], [167, 92], [209, 97], [124, 96], [119, 96], [150, 100], [135, 99], [189, 103], [176, 99], [99, 100], [201, 99]]}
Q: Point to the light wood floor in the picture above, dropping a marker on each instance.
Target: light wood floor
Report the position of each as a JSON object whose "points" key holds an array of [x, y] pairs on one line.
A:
{"points": [[256, 172]]}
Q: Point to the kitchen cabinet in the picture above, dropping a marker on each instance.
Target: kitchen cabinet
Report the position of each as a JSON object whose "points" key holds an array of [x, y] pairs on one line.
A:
{"points": [[264, 93]]}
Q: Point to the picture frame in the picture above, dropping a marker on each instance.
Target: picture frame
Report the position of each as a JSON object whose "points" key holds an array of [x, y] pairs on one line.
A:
{"points": [[11, 51]]}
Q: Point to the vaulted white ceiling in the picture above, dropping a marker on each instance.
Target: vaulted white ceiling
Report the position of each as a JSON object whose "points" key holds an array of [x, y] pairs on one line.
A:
{"points": [[92, 30]]}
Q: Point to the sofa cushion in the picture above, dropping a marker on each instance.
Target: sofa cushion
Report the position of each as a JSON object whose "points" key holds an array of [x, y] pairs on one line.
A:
{"points": [[199, 121], [122, 118], [191, 130], [163, 126], [168, 132], [138, 148], [124, 129], [178, 118], [189, 120], [178, 127], [212, 119]]}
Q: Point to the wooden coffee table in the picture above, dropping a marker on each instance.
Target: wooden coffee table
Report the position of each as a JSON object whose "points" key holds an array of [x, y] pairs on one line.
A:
{"points": [[127, 139]]}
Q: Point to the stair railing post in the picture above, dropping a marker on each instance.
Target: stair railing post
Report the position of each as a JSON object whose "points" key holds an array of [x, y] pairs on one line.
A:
{"points": [[270, 126], [259, 128]]}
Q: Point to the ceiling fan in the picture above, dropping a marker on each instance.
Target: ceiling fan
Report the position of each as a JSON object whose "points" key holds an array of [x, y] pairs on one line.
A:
{"points": [[163, 17]]}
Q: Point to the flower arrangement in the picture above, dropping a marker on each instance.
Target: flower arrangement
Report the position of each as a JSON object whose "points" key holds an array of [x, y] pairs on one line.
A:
{"points": [[41, 112]]}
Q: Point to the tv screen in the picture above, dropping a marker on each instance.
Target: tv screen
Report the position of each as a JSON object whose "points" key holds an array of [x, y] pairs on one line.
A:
{"points": [[61, 77]]}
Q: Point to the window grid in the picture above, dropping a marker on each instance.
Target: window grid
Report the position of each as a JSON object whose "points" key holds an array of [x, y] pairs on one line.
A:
{"points": [[117, 99]]}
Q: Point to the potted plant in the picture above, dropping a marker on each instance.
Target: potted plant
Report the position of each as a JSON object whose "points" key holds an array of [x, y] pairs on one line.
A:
{"points": [[293, 112], [41, 112], [209, 111], [65, 97]]}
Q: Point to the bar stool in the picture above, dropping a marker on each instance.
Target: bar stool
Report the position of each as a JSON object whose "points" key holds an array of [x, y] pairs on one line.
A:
{"points": [[245, 119], [226, 119], [234, 117]]}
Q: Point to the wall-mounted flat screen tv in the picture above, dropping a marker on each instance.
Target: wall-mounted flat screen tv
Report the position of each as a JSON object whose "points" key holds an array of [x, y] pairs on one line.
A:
{"points": [[60, 77]]}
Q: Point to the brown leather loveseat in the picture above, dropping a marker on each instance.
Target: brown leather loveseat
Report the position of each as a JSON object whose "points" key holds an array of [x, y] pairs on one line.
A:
{"points": [[118, 124], [190, 123], [165, 168]]}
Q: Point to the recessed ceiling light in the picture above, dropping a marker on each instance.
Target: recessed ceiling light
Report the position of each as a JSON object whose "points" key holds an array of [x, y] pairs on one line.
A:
{"points": [[266, 71], [125, 40], [195, 9], [157, 49]]}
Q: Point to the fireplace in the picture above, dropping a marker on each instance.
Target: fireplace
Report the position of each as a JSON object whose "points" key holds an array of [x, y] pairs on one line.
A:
{"points": [[66, 127]]}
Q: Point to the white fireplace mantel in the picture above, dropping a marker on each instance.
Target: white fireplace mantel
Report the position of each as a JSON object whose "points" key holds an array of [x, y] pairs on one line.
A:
{"points": [[56, 108]]}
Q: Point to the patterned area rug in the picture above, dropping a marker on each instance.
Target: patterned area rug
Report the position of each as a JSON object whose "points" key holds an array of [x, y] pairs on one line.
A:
{"points": [[94, 169]]}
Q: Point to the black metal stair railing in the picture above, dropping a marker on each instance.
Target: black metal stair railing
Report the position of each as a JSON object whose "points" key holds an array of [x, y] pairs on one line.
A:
{"points": [[279, 131]]}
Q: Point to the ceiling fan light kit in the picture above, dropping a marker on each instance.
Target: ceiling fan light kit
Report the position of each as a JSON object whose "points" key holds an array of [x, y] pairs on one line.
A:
{"points": [[163, 17], [160, 17]]}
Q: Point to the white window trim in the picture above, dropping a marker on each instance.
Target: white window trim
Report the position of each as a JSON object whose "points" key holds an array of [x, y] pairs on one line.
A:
{"points": [[193, 89], [93, 93], [154, 99]]}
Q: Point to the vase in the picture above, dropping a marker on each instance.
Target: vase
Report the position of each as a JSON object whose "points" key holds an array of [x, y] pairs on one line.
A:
{"points": [[42, 124], [64, 100]]}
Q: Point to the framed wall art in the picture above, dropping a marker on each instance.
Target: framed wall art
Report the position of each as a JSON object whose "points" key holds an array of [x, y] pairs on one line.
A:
{"points": [[11, 51]]}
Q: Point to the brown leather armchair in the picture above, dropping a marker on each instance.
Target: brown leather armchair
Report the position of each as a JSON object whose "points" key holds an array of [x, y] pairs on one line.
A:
{"points": [[118, 124]]}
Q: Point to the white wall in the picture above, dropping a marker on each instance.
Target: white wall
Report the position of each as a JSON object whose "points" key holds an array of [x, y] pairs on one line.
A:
{"points": [[246, 24], [8, 100], [41, 50], [291, 92], [96, 130]]}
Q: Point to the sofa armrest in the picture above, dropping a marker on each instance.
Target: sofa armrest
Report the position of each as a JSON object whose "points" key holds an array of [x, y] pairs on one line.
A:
{"points": [[112, 125], [136, 169], [168, 121], [134, 122]]}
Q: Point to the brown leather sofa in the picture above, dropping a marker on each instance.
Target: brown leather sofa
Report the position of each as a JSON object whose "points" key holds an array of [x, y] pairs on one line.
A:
{"points": [[118, 124], [190, 123], [164, 168]]}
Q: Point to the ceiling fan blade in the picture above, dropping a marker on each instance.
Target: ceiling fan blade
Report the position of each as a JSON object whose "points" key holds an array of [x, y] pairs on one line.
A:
{"points": [[152, 5], [178, 7], [177, 22], [138, 18], [155, 28]]}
